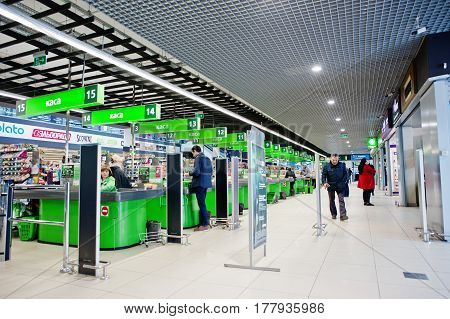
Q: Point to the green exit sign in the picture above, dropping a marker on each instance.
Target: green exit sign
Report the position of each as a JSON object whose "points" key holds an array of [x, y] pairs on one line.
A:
{"points": [[40, 58], [123, 115], [78, 98], [344, 135]]}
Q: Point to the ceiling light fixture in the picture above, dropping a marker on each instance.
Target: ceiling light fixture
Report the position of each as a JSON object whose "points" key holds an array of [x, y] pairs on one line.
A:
{"points": [[347, 142], [338, 119], [349, 146], [316, 68], [330, 102], [42, 27], [342, 129], [12, 95], [418, 29]]}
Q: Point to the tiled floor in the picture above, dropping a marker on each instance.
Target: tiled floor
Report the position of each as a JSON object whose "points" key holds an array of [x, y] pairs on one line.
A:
{"points": [[364, 257]]}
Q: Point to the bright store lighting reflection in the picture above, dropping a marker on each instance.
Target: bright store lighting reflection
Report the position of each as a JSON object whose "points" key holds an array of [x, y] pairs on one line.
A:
{"points": [[347, 142], [342, 129], [330, 102], [338, 119], [12, 95], [316, 68]]}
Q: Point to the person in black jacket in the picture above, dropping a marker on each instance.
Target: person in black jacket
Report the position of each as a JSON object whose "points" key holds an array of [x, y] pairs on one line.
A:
{"points": [[118, 173], [291, 173], [201, 181], [334, 179]]}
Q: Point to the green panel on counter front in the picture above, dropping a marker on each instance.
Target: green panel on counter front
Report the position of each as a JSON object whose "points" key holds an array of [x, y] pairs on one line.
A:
{"points": [[157, 210], [286, 187], [78, 98], [121, 228], [273, 192], [243, 196]]}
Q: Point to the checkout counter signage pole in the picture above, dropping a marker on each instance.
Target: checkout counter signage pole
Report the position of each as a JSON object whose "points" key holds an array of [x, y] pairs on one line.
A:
{"points": [[89, 210], [81, 97], [167, 126], [221, 189], [123, 115], [174, 196]]}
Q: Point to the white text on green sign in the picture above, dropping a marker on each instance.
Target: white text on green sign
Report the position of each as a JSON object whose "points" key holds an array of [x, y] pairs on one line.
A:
{"points": [[123, 115], [78, 98]]}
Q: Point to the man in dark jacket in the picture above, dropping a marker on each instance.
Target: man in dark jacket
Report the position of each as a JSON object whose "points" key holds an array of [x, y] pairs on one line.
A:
{"points": [[334, 179], [291, 173], [122, 180], [201, 181]]}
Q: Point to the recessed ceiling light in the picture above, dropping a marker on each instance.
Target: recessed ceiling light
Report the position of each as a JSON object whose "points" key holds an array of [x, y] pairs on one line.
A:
{"points": [[330, 102], [342, 129], [316, 68], [349, 146], [347, 142], [338, 119]]}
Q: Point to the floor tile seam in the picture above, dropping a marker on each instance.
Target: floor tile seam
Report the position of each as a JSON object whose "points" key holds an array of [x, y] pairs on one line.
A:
{"points": [[278, 256], [373, 253], [420, 253], [321, 266]]}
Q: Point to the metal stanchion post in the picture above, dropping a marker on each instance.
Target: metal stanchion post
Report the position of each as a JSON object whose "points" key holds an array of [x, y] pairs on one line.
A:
{"points": [[318, 197], [66, 267]]}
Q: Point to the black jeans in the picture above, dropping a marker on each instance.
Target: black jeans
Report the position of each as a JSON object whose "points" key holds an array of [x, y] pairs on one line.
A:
{"points": [[366, 195], [331, 196], [292, 188], [200, 193]]}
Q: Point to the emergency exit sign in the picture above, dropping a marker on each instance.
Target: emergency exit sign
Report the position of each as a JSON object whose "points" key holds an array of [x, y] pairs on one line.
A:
{"points": [[344, 135], [40, 58]]}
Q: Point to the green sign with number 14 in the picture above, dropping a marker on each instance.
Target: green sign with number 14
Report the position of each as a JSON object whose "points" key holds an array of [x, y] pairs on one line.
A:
{"points": [[123, 115]]}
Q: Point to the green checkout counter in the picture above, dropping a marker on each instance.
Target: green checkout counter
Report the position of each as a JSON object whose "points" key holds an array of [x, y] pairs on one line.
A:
{"points": [[124, 214]]}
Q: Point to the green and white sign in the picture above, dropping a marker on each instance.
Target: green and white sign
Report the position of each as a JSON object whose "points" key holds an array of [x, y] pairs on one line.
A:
{"points": [[78, 98], [203, 134], [344, 135], [123, 115], [167, 126], [267, 144]]}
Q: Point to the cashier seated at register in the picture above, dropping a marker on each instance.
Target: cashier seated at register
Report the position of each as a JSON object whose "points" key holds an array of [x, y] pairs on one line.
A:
{"points": [[118, 173], [108, 182]]}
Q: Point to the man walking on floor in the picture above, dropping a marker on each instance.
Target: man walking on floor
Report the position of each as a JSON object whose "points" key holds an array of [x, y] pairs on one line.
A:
{"points": [[334, 179], [201, 181]]}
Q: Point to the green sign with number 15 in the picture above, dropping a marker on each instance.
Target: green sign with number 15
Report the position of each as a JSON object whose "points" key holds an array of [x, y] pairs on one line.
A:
{"points": [[78, 98]]}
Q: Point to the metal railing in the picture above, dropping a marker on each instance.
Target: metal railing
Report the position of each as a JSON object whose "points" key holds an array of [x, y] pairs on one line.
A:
{"points": [[67, 266]]}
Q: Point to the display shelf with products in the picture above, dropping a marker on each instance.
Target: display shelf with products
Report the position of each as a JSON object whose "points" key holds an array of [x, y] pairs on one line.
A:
{"points": [[16, 162]]}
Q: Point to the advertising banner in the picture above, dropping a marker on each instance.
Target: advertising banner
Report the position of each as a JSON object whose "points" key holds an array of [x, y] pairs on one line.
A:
{"points": [[45, 134], [257, 188]]}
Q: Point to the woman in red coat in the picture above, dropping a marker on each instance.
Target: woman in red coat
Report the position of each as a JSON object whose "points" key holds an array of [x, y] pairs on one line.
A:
{"points": [[366, 180]]}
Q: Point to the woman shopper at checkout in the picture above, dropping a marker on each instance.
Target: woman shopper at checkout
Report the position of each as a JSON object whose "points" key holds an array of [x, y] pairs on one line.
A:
{"points": [[366, 180], [108, 182]]}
